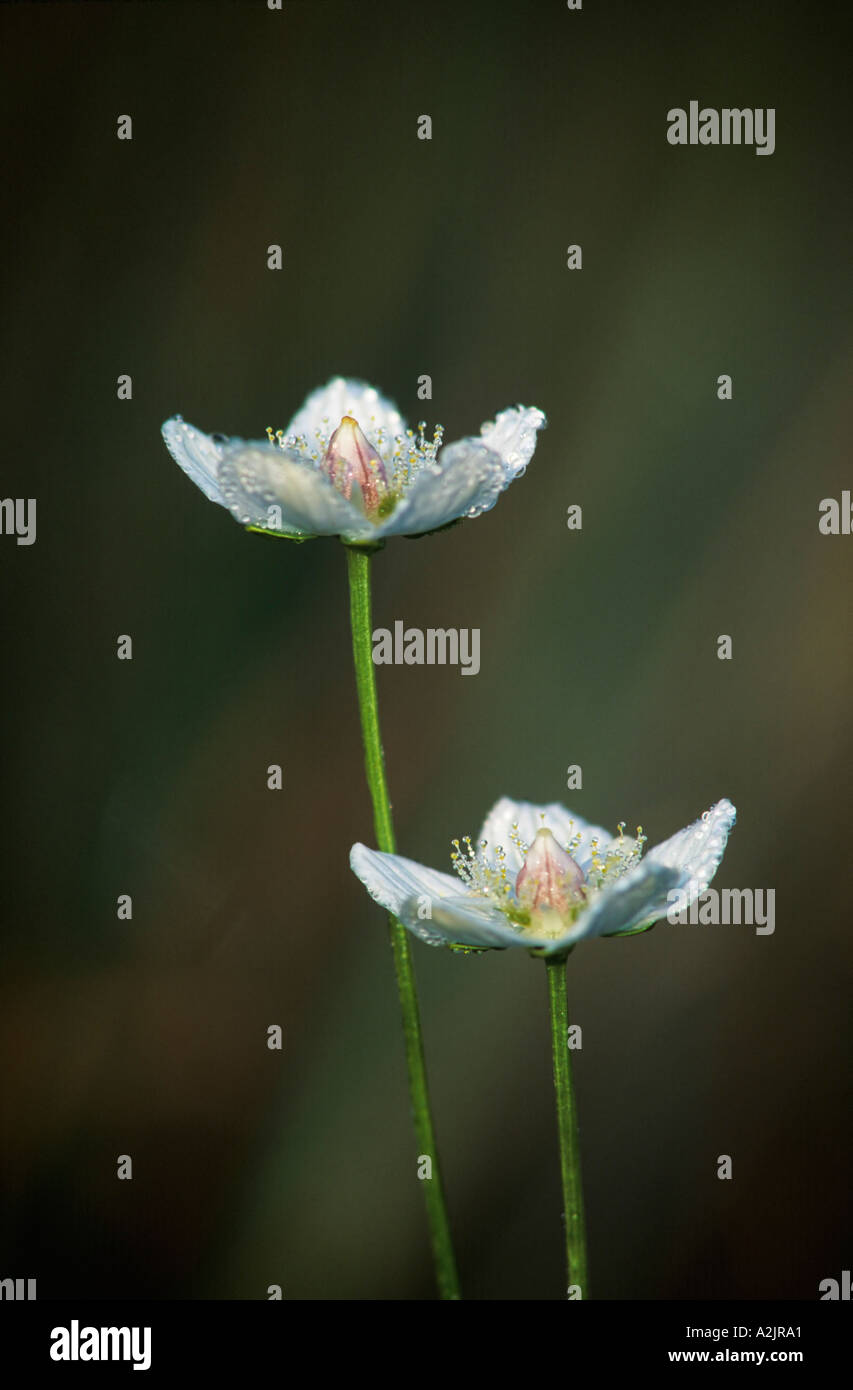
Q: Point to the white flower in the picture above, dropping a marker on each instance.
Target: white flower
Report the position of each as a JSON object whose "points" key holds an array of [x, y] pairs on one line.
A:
{"points": [[542, 878], [347, 465]]}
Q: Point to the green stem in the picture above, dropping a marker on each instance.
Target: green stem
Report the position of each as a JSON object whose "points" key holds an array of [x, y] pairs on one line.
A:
{"points": [[567, 1126], [358, 562]]}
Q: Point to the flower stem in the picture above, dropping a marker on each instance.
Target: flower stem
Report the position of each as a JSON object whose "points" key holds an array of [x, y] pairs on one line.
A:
{"points": [[358, 562], [567, 1126]]}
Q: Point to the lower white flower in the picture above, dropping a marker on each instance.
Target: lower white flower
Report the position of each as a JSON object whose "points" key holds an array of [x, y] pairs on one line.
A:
{"points": [[347, 465], [543, 878]]}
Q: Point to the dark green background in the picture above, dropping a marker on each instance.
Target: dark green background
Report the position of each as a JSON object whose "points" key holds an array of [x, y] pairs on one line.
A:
{"points": [[148, 777]]}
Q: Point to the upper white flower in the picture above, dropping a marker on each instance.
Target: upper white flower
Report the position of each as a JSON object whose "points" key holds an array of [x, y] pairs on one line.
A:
{"points": [[543, 878], [347, 465]]}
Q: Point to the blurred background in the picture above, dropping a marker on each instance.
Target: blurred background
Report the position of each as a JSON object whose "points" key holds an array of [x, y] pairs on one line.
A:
{"points": [[148, 777]]}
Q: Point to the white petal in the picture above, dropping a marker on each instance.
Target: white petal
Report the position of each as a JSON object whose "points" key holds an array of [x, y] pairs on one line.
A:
{"points": [[325, 408], [639, 897], [254, 477], [405, 888], [198, 454], [462, 921], [512, 436], [563, 824], [465, 480], [698, 849]]}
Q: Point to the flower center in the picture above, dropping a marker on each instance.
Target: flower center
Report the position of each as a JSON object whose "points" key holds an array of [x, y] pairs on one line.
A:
{"points": [[375, 473], [550, 888], [351, 462], [549, 879]]}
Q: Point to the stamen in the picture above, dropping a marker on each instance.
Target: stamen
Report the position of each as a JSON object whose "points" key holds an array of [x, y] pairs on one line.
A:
{"points": [[488, 879], [550, 891], [393, 461], [617, 857]]}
